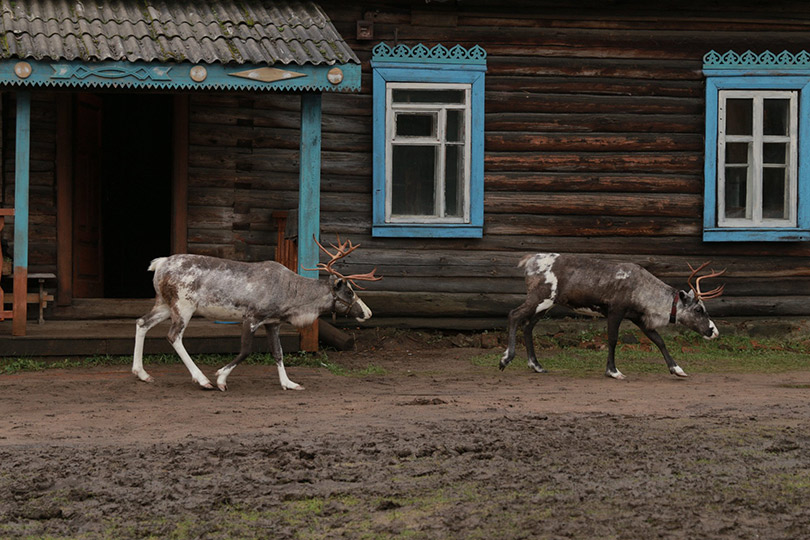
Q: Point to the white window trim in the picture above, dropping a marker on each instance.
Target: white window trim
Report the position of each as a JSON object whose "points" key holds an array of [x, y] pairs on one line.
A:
{"points": [[440, 109], [754, 184]]}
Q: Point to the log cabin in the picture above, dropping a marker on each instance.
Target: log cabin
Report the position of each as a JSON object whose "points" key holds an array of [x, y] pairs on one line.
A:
{"points": [[460, 136]]}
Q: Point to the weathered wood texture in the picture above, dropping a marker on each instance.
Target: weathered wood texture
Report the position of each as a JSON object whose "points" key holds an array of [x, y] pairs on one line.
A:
{"points": [[594, 144]]}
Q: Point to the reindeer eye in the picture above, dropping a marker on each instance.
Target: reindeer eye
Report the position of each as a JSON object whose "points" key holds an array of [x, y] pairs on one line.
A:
{"points": [[699, 310]]}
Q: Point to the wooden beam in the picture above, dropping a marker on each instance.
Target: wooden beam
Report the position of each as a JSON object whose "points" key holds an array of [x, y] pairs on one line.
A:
{"points": [[179, 242], [21, 180], [64, 199], [309, 198]]}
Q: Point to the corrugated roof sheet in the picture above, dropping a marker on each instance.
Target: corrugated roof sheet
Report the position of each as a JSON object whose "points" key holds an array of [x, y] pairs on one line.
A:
{"points": [[227, 32]]}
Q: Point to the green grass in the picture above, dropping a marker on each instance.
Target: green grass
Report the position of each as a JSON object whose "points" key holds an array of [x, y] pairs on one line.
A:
{"points": [[586, 354], [320, 359]]}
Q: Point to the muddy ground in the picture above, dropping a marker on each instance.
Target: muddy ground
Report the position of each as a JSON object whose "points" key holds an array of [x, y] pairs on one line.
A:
{"points": [[434, 444]]}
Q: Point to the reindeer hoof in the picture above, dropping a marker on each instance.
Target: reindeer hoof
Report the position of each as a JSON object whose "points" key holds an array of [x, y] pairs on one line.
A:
{"points": [[205, 385], [678, 371], [615, 375], [537, 368], [293, 387], [145, 377], [222, 386]]}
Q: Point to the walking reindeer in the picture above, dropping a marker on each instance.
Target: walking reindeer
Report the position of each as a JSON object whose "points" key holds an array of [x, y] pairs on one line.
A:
{"points": [[615, 290], [259, 294]]}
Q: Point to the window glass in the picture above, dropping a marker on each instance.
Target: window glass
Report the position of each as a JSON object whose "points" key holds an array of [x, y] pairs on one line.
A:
{"points": [[773, 193], [413, 192], [739, 116], [776, 116], [736, 195], [738, 152], [416, 125], [454, 194], [774, 153], [428, 96], [455, 125]]}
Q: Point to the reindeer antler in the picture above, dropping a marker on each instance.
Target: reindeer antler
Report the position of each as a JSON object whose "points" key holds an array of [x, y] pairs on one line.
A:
{"points": [[714, 293], [341, 250]]}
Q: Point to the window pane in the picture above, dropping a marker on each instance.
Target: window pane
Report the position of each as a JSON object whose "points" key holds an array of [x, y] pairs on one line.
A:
{"points": [[416, 125], [455, 126], [774, 153], [413, 180], [774, 205], [739, 116], [453, 185], [736, 194], [737, 153], [428, 96], [775, 116]]}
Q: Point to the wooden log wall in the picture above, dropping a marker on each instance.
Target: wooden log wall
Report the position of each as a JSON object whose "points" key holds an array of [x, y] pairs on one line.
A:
{"points": [[42, 188], [594, 145]]}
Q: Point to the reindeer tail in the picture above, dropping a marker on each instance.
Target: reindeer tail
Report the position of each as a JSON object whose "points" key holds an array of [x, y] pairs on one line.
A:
{"points": [[156, 263]]}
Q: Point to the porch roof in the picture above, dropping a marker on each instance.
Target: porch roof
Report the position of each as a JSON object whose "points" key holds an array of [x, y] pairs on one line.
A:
{"points": [[203, 31]]}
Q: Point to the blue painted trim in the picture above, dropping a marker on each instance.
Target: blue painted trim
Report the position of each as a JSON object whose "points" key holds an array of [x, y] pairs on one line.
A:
{"points": [[749, 60], [167, 76], [309, 191], [427, 231], [758, 81], [756, 235], [384, 72], [439, 54], [22, 178]]}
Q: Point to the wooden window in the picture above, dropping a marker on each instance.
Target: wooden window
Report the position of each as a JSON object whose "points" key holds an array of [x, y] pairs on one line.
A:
{"points": [[427, 138], [756, 172], [757, 158], [428, 142]]}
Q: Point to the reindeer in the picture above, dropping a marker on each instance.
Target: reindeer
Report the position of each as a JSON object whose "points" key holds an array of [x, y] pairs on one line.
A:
{"points": [[615, 290], [258, 294]]}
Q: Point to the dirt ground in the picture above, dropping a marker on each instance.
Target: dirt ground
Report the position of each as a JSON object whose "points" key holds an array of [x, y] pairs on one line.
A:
{"points": [[434, 446]]}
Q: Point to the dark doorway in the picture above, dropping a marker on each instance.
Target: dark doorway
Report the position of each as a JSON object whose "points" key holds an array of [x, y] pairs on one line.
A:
{"points": [[129, 213]]}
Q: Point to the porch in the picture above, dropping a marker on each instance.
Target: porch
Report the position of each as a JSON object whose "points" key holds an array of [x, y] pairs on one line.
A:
{"points": [[107, 327]]}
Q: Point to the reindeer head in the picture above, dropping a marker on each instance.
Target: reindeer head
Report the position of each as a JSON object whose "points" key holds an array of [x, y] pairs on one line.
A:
{"points": [[347, 302], [691, 310]]}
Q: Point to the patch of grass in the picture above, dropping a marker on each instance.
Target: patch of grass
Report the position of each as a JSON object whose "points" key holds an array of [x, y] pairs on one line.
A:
{"points": [[585, 353], [319, 359]]}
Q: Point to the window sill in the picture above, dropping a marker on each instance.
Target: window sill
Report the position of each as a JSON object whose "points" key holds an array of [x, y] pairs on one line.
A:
{"points": [[729, 234], [408, 230]]}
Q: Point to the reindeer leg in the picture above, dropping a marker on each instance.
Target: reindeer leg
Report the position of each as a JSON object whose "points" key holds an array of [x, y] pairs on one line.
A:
{"points": [[536, 304], [179, 323], [614, 319], [158, 314], [528, 341], [248, 329], [656, 338], [275, 348]]}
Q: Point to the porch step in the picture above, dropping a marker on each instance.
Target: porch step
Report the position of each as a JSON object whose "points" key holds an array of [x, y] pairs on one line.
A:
{"points": [[117, 337], [102, 308]]}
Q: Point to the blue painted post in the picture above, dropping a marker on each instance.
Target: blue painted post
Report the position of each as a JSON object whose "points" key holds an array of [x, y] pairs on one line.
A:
{"points": [[309, 200], [309, 190], [21, 181]]}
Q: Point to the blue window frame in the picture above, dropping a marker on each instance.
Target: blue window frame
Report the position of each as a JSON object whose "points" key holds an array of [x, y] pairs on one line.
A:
{"points": [[757, 164], [428, 141]]}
